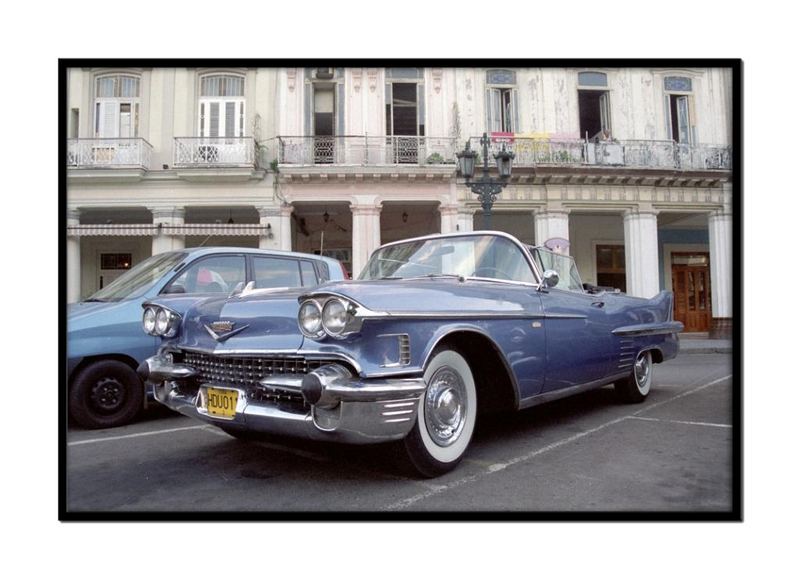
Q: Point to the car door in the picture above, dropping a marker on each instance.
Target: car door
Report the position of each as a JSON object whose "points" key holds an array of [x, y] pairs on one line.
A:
{"points": [[578, 333]]}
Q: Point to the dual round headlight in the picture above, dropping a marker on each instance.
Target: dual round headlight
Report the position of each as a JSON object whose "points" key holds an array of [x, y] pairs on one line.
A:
{"points": [[317, 320], [159, 321]]}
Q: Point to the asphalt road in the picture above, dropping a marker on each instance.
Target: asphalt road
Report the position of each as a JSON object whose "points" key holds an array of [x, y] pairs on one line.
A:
{"points": [[585, 453]]}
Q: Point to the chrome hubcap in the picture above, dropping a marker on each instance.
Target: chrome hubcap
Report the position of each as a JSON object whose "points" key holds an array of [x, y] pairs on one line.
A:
{"points": [[107, 395], [445, 406], [642, 370]]}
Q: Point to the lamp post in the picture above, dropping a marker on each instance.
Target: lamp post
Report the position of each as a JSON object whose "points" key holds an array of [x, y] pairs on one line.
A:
{"points": [[487, 188]]}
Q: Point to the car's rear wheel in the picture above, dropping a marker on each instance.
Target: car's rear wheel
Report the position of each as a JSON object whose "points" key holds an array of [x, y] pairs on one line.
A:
{"points": [[105, 394], [636, 386], [445, 416]]}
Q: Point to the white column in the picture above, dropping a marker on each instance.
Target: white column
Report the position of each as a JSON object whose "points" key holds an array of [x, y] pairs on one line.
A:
{"points": [[641, 253], [720, 242], [270, 217], [366, 234], [465, 219], [73, 259], [550, 224], [166, 216], [449, 218], [286, 227]]}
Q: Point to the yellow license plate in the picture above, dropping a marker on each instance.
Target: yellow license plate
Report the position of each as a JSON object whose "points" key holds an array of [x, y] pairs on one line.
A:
{"points": [[221, 403]]}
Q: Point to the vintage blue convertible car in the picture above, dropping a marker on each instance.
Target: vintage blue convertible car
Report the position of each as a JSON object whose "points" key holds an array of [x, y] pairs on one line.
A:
{"points": [[435, 330]]}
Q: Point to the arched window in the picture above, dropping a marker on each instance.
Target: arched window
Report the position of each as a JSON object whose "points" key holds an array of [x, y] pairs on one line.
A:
{"points": [[116, 109], [222, 110]]}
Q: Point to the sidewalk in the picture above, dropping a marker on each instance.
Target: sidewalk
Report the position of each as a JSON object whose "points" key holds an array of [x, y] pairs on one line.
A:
{"points": [[698, 343]]}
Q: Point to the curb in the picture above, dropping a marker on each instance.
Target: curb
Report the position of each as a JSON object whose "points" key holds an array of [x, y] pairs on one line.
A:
{"points": [[707, 350]]}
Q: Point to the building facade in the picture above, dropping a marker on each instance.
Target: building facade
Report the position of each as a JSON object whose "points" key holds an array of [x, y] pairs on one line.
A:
{"points": [[630, 168]]}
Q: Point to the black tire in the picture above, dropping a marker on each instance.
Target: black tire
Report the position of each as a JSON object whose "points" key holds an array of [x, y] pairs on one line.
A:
{"points": [[446, 416], [105, 394], [635, 388]]}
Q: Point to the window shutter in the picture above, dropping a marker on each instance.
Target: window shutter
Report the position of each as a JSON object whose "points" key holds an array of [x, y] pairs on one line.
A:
{"points": [[241, 117], [515, 112], [340, 108], [309, 109], [213, 123], [605, 120], [230, 119], [389, 105], [668, 118], [494, 113], [108, 120], [421, 109], [203, 120]]}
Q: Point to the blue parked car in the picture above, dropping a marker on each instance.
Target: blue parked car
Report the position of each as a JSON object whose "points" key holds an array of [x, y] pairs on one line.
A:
{"points": [[435, 330], [105, 342]]}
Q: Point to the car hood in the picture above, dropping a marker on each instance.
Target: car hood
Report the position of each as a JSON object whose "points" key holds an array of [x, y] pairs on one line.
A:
{"points": [[91, 314], [435, 295], [257, 323]]}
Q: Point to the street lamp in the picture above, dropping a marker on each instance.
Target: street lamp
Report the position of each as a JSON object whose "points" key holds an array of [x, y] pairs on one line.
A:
{"points": [[487, 188]]}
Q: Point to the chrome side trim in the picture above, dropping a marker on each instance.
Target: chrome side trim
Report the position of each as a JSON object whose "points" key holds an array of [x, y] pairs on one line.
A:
{"points": [[649, 329], [565, 392]]}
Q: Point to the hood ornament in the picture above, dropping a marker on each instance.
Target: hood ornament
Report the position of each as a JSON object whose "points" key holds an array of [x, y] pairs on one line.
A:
{"points": [[223, 329]]}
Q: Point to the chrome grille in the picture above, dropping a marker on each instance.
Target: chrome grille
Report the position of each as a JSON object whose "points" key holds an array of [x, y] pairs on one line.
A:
{"points": [[247, 371]]}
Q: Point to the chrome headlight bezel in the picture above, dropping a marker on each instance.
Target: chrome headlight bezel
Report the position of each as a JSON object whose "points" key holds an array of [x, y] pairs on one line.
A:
{"points": [[314, 331], [160, 321], [325, 306], [333, 327]]}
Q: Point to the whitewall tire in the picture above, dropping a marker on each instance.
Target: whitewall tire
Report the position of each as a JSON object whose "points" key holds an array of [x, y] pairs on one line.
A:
{"points": [[445, 415], [636, 386]]}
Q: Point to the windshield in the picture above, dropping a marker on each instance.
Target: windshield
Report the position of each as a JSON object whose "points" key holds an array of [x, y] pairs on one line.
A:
{"points": [[563, 265], [487, 256], [138, 280]]}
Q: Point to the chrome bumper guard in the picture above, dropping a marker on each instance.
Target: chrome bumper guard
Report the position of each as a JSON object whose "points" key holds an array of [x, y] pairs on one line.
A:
{"points": [[340, 407]]}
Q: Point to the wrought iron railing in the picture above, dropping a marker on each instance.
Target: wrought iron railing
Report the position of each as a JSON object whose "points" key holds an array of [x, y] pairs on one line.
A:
{"points": [[215, 152], [362, 150], [113, 153], [628, 154]]}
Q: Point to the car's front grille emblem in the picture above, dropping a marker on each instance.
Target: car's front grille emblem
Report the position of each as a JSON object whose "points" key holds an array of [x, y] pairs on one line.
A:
{"points": [[222, 330]]}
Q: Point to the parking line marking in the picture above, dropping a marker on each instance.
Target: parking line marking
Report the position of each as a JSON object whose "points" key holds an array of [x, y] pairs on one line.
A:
{"points": [[137, 435], [525, 457], [688, 422]]}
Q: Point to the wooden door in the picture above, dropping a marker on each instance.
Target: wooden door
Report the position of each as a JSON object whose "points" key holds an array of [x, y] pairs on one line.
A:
{"points": [[691, 285]]}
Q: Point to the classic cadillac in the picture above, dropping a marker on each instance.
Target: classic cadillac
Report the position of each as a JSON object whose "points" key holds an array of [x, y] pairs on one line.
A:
{"points": [[435, 330]]}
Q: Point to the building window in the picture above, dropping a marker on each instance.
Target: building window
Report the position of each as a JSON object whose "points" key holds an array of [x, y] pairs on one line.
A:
{"points": [[593, 106], [116, 108], [115, 261], [501, 102], [680, 109], [611, 266], [222, 106], [405, 113]]}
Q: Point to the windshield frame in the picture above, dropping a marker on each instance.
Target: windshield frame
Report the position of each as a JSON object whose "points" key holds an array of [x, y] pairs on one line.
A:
{"points": [[177, 258], [526, 256]]}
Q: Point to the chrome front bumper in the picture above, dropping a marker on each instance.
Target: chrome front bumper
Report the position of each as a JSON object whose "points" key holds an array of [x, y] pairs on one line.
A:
{"points": [[339, 406]]}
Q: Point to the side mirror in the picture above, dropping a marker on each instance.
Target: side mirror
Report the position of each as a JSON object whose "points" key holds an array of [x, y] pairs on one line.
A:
{"points": [[549, 279]]}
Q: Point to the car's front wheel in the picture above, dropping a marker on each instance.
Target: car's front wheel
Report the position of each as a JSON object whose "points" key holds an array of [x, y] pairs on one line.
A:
{"points": [[445, 416], [105, 394], [636, 386]]}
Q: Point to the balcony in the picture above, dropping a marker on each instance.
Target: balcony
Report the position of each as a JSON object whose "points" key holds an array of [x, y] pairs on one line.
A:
{"points": [[109, 153], [663, 155], [216, 158], [362, 151], [127, 159]]}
